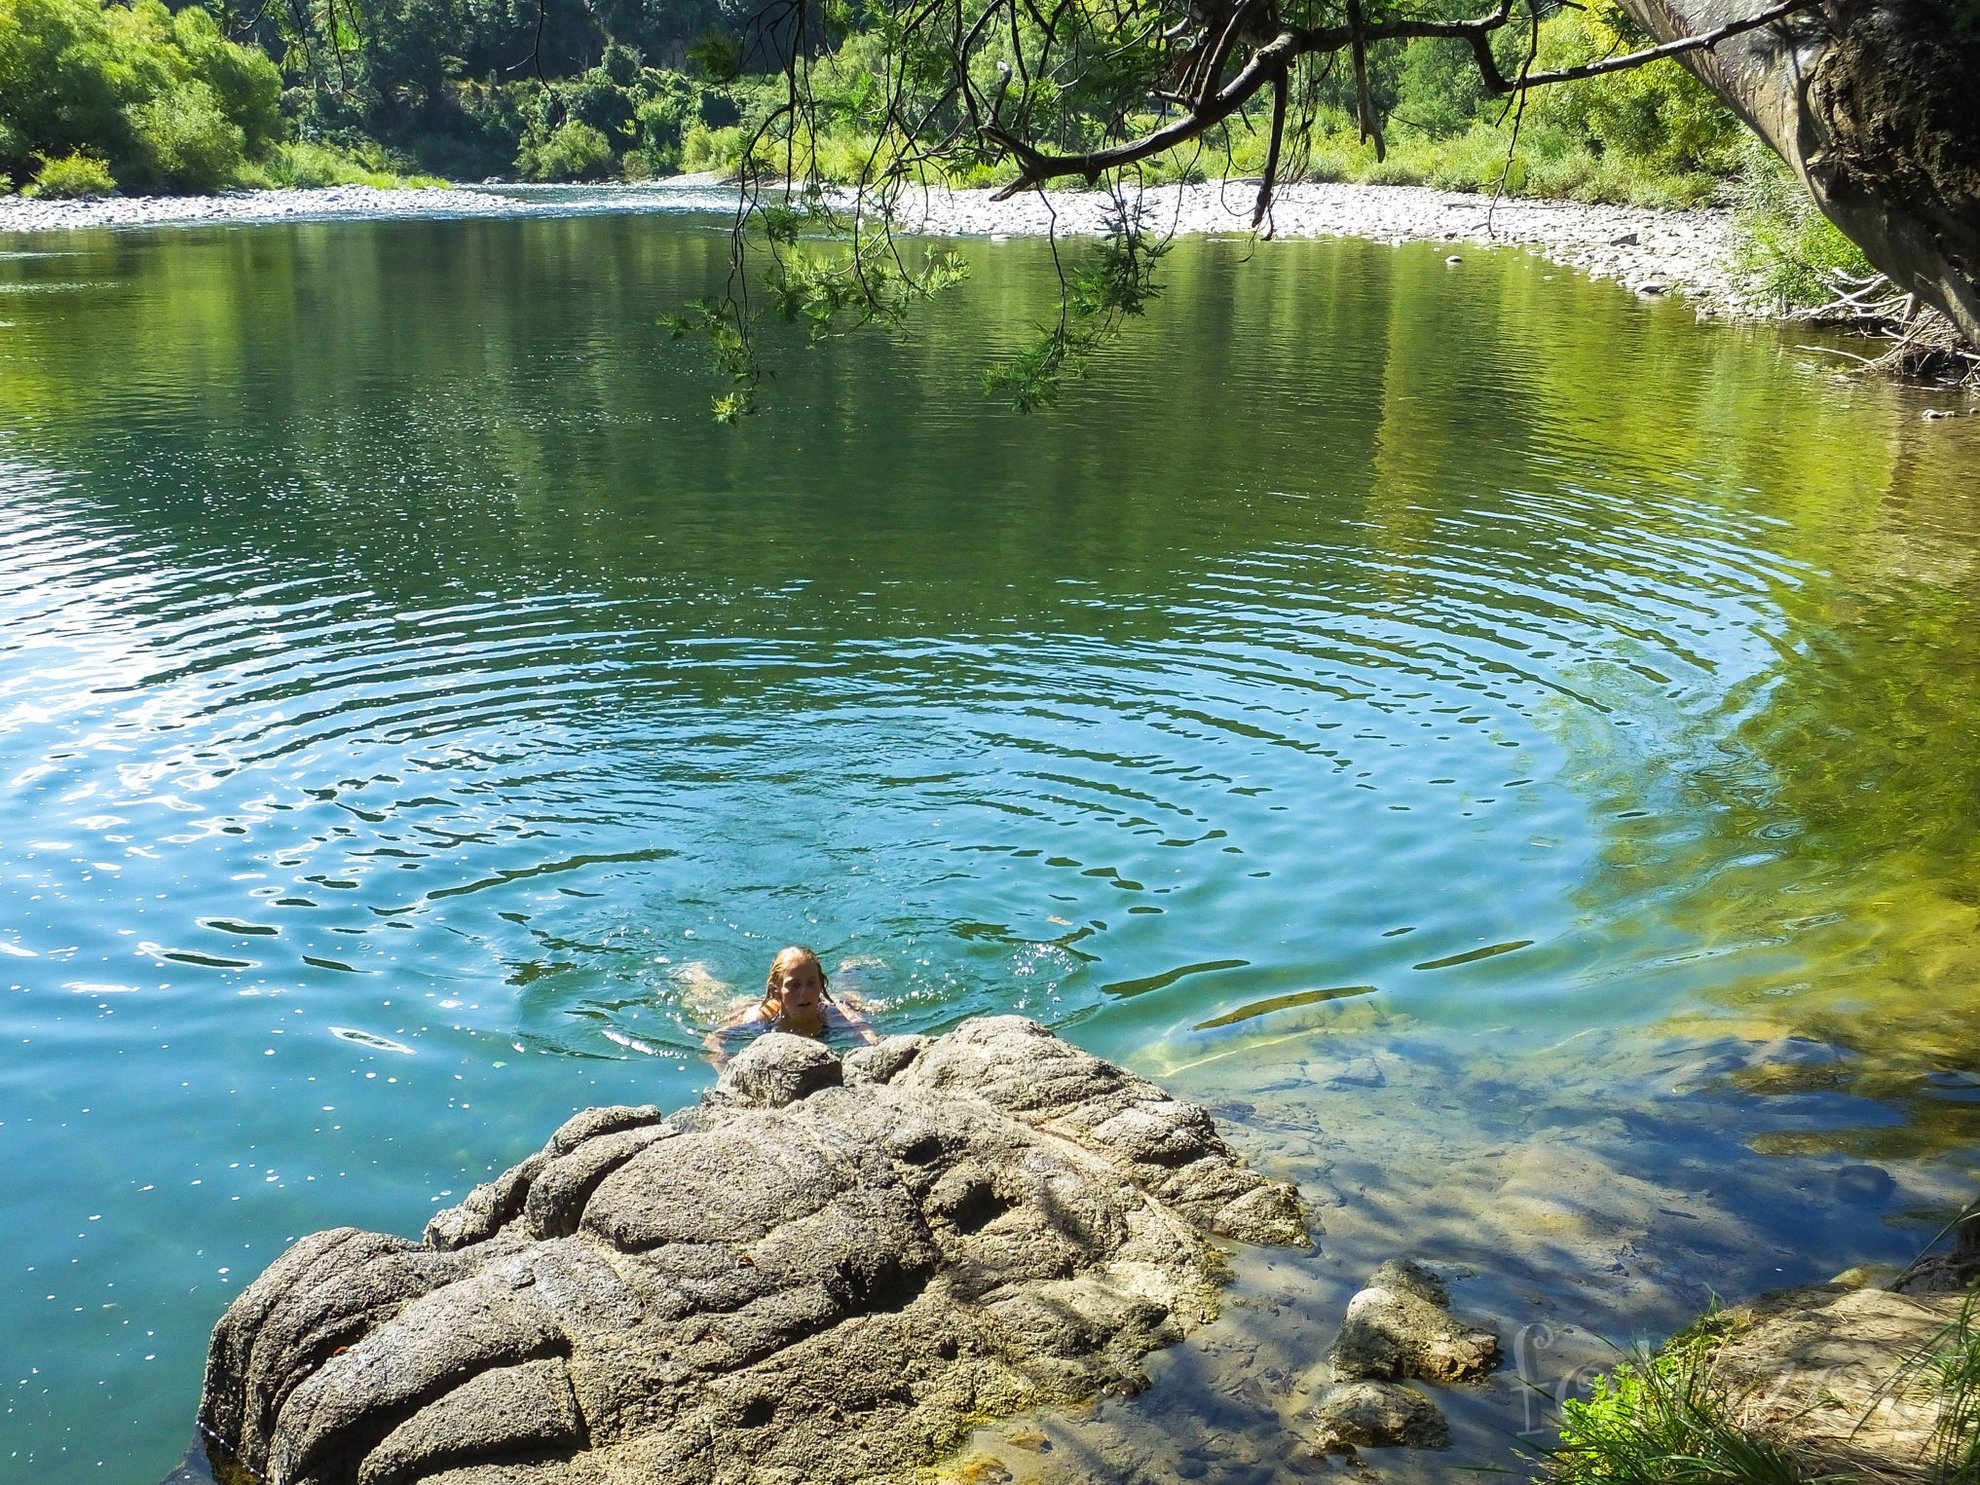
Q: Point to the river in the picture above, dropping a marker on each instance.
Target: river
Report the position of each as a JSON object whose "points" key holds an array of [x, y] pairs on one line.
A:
{"points": [[1506, 748]]}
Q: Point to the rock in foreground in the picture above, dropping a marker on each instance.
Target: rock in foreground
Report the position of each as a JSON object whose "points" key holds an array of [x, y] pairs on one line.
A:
{"points": [[1379, 1415], [1400, 1325], [1841, 1377], [827, 1272]]}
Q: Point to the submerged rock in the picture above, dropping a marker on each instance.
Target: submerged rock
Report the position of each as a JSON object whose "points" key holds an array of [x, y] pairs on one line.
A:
{"points": [[827, 1272], [1400, 1325], [1379, 1415]]}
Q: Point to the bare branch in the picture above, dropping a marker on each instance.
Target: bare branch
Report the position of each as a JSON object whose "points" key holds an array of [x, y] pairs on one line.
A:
{"points": [[1035, 167], [1703, 41], [1266, 186], [1364, 104]]}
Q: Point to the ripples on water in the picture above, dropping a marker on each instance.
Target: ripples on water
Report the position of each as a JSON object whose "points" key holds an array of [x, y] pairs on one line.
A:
{"points": [[420, 719]]}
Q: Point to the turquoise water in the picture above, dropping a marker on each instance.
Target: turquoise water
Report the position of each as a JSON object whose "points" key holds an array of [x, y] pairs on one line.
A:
{"points": [[420, 719]]}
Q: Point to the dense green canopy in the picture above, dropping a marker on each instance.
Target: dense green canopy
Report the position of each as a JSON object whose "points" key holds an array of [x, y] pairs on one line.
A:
{"points": [[166, 99]]}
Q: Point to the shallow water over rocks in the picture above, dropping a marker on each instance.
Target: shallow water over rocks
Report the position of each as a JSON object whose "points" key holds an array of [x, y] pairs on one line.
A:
{"points": [[1498, 745]]}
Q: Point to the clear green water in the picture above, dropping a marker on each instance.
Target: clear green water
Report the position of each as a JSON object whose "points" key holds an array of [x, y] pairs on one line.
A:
{"points": [[416, 712]]}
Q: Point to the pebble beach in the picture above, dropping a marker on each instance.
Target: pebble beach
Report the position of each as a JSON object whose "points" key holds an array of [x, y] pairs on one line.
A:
{"points": [[1651, 252]]}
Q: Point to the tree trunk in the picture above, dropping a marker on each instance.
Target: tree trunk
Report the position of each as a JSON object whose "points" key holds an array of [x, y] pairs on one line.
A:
{"points": [[1876, 106]]}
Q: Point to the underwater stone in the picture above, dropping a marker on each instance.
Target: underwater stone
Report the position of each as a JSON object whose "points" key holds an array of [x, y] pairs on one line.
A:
{"points": [[1400, 1325], [1379, 1415]]}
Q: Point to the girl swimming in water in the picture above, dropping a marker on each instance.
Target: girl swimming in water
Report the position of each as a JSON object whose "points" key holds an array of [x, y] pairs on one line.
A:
{"points": [[796, 998]]}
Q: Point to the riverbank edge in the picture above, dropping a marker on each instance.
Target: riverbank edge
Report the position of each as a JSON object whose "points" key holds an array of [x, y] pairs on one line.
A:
{"points": [[1847, 1378], [1652, 252]]}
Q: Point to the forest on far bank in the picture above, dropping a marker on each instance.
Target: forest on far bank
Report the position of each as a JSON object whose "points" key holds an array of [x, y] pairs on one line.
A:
{"points": [[148, 96], [99, 96]]}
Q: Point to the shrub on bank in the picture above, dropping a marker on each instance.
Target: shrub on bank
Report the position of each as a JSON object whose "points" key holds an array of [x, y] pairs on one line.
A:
{"points": [[1657, 1420], [188, 141], [573, 151], [1795, 256], [308, 164], [71, 177]]}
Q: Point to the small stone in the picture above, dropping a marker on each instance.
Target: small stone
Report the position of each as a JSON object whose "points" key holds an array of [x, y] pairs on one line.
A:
{"points": [[1867, 1276], [979, 1469], [1379, 1415], [1399, 1326], [1863, 1185], [1363, 1072]]}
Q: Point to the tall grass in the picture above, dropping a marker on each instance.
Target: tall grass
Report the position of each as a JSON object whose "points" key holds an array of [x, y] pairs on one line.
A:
{"points": [[304, 164], [1658, 1420], [1952, 1366]]}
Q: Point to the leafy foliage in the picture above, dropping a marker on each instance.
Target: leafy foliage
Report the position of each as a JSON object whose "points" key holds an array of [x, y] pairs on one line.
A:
{"points": [[162, 99], [1657, 1420], [1793, 253], [1657, 114], [72, 176], [572, 151], [187, 140], [823, 274], [1115, 282]]}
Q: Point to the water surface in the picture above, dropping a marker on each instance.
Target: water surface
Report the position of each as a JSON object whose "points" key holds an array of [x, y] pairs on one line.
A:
{"points": [[1493, 739]]}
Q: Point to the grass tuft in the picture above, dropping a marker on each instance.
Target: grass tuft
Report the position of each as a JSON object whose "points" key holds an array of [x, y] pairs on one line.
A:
{"points": [[1657, 1420], [1952, 1366]]}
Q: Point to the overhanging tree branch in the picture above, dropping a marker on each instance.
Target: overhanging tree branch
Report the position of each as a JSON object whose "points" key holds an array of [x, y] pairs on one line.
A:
{"points": [[1098, 91], [1704, 41], [1289, 45]]}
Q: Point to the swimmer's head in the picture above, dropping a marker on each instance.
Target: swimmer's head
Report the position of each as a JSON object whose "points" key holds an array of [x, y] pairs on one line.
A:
{"points": [[797, 983]]}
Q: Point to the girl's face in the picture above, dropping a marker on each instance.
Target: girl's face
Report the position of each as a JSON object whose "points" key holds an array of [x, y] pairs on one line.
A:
{"points": [[800, 987]]}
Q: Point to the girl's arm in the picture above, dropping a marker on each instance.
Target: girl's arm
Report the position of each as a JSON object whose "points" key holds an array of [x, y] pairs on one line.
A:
{"points": [[739, 1018], [853, 1020]]}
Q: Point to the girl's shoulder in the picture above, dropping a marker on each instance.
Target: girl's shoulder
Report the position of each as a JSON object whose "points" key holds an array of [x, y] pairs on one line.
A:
{"points": [[746, 1016]]}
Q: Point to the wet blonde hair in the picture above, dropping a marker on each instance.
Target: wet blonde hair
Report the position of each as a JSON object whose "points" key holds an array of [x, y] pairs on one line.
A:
{"points": [[795, 954]]}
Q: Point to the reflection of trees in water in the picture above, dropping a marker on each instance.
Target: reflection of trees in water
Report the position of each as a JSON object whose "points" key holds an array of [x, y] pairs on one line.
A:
{"points": [[426, 401], [1749, 594], [1838, 873]]}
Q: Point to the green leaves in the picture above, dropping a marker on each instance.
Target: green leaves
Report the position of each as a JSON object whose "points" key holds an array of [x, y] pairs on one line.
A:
{"points": [[571, 151], [1113, 284], [162, 100], [724, 325], [716, 56], [190, 141], [1033, 379], [824, 273], [1657, 1421], [72, 177]]}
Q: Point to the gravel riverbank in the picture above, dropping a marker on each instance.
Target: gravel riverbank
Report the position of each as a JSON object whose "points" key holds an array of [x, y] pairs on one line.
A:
{"points": [[1651, 252]]}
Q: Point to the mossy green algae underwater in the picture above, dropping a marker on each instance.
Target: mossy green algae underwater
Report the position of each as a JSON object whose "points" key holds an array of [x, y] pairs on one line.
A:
{"points": [[420, 717]]}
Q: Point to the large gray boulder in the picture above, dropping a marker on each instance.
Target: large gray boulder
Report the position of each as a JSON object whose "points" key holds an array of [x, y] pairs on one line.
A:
{"points": [[827, 1272]]}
